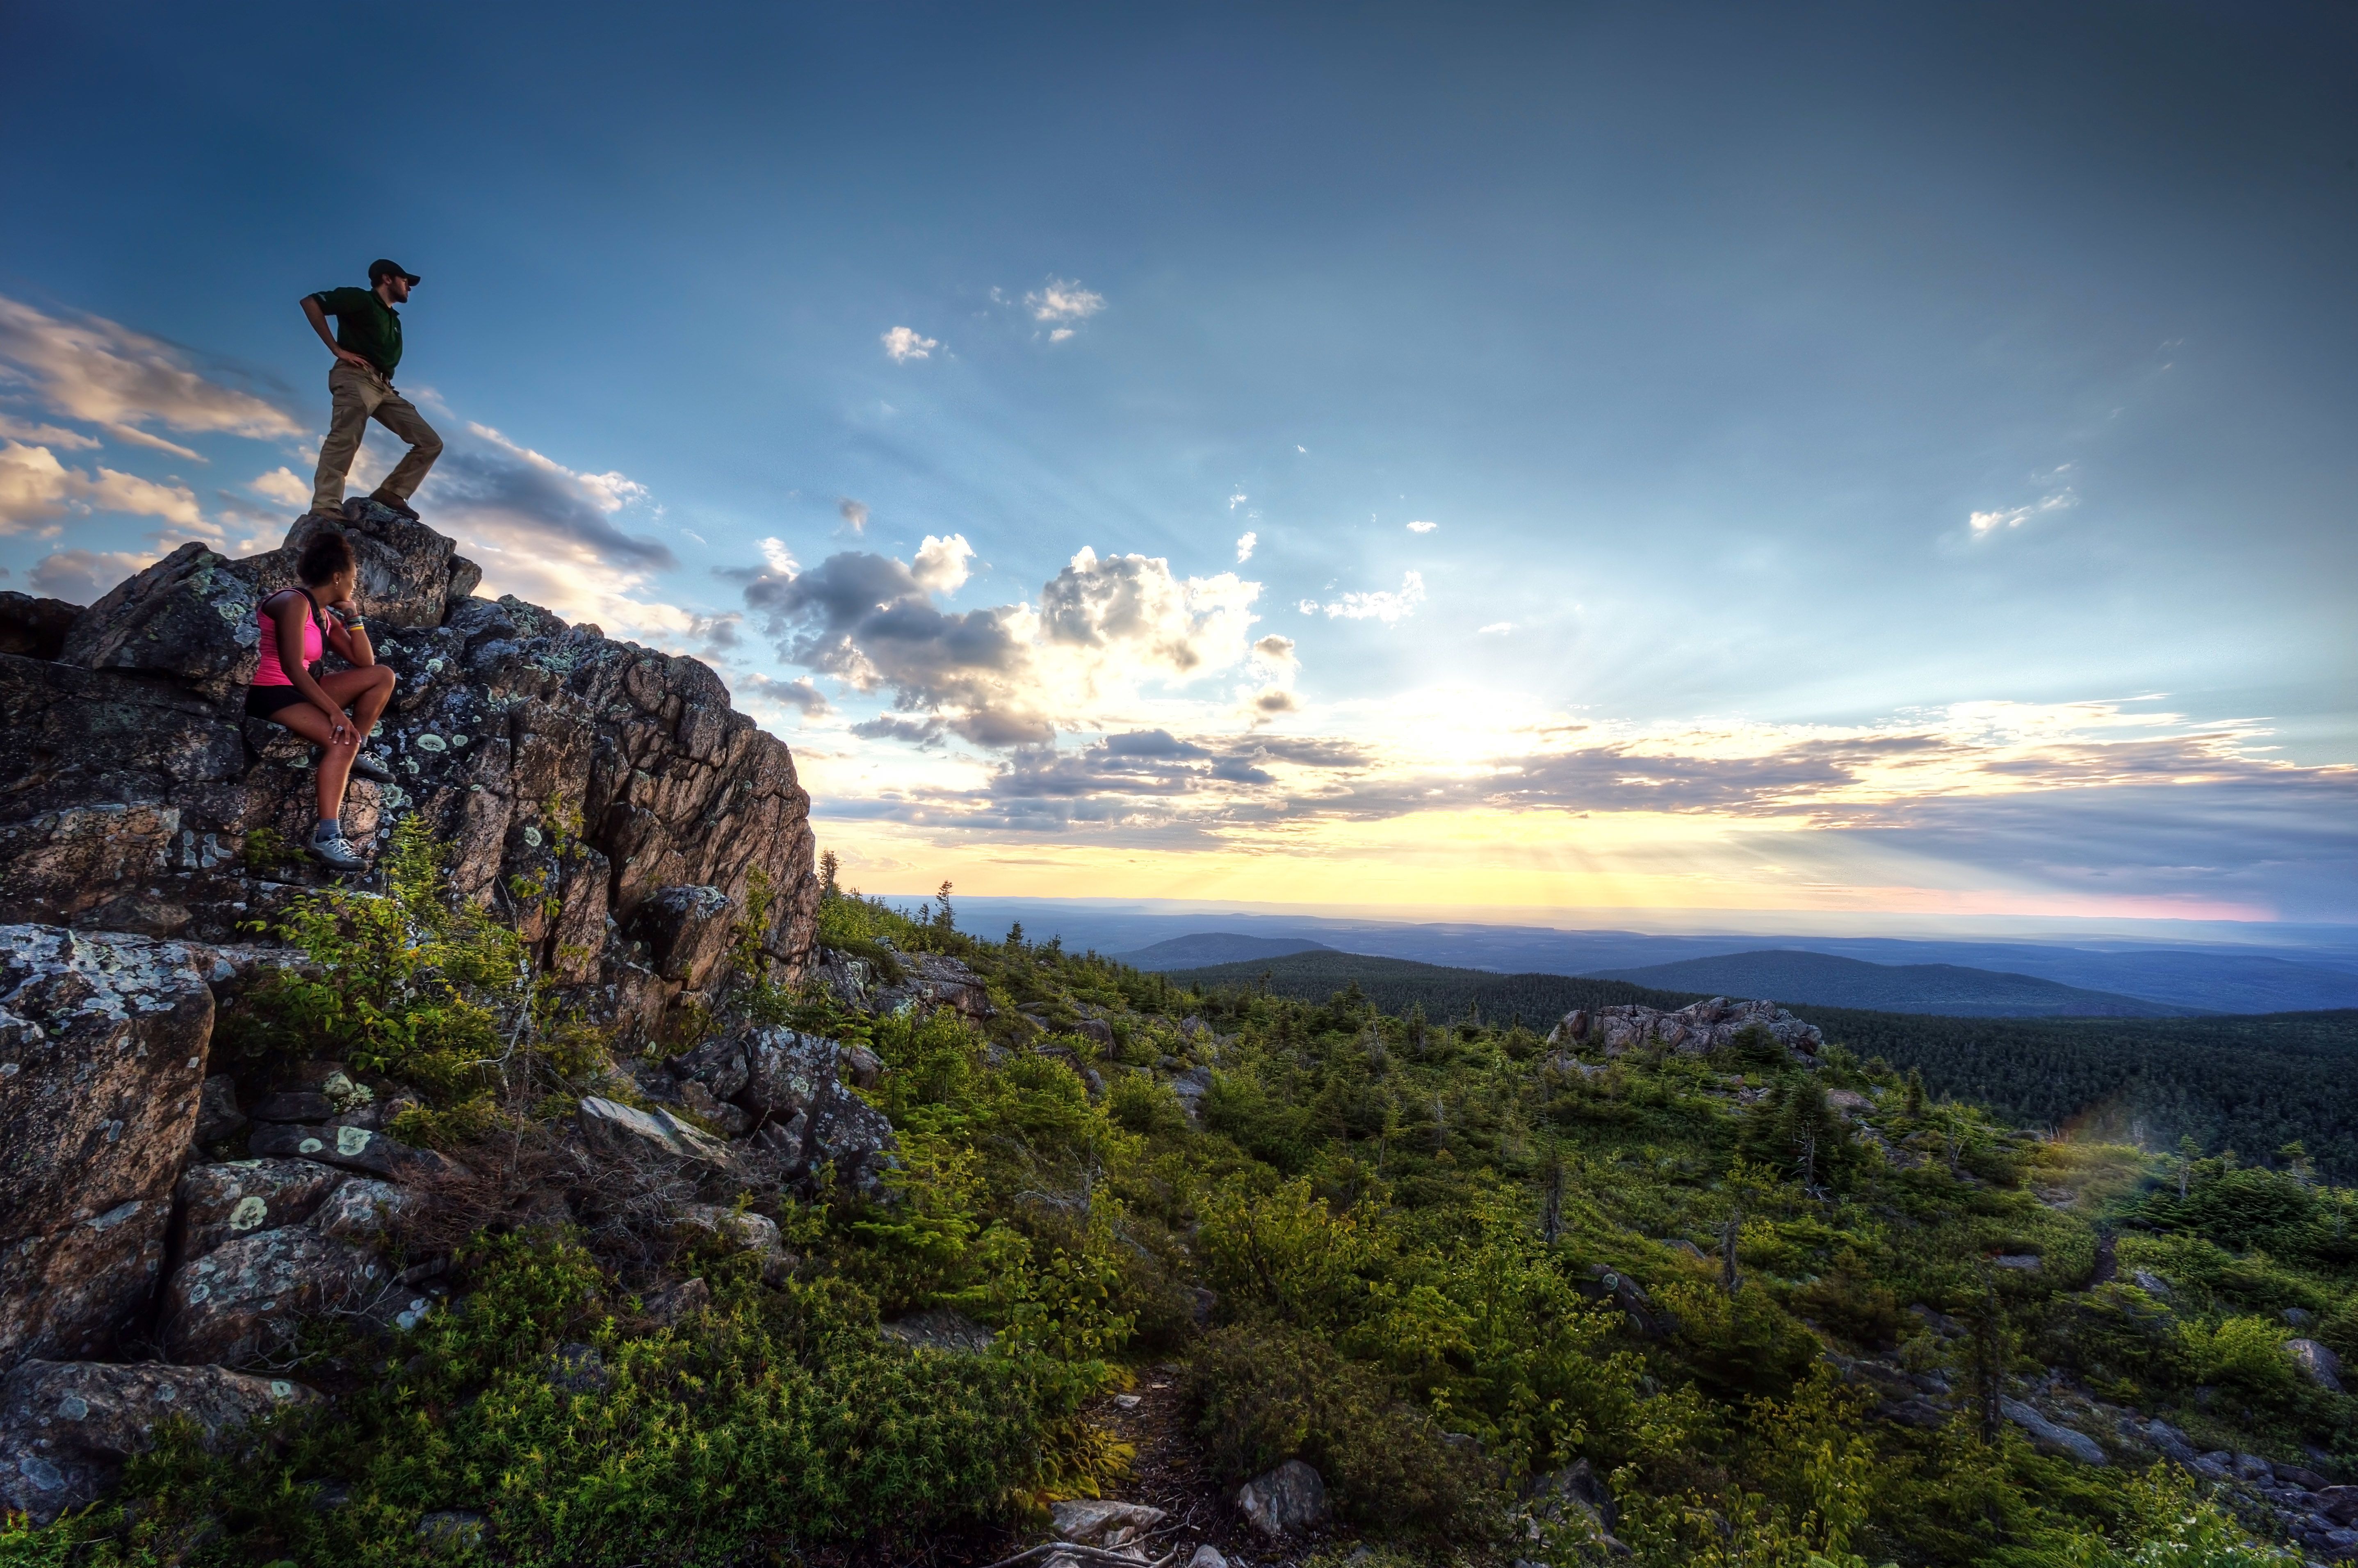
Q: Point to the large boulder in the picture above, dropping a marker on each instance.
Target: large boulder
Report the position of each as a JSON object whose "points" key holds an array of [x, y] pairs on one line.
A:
{"points": [[102, 1045], [409, 574], [615, 784], [66, 1427], [191, 616], [246, 1299]]}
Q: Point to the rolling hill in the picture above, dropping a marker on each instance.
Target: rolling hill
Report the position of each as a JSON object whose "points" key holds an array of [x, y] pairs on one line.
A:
{"points": [[2252, 1082], [1788, 975], [1202, 947]]}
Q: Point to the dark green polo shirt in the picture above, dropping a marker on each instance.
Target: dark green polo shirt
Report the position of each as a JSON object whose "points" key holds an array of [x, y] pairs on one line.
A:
{"points": [[364, 324]]}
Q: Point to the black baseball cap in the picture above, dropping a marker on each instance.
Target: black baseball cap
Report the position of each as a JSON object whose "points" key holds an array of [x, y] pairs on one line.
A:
{"points": [[384, 268]]}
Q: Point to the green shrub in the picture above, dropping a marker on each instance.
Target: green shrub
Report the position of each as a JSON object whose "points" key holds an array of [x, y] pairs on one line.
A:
{"points": [[1266, 1394]]}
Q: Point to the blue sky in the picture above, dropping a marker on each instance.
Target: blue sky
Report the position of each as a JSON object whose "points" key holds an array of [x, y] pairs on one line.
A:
{"points": [[1878, 458]]}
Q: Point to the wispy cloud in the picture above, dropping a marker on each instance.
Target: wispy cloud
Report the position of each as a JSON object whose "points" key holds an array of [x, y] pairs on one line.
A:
{"points": [[1245, 544], [105, 374], [1421, 527], [1498, 629], [853, 513], [905, 343], [1389, 606], [1984, 523]]}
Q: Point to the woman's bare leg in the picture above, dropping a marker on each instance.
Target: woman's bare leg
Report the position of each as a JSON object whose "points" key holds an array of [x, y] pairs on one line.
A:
{"points": [[363, 691], [335, 761]]}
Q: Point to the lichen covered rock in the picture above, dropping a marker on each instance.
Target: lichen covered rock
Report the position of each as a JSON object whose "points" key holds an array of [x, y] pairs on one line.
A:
{"points": [[102, 1045], [67, 1427]]}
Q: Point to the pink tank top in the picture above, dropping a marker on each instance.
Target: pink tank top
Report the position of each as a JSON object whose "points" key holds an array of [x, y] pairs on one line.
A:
{"points": [[270, 672]]}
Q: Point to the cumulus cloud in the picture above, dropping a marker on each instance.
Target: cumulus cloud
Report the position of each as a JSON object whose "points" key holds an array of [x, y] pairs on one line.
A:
{"points": [[37, 490], [1010, 675], [940, 564], [105, 374], [801, 695], [1275, 700], [1061, 305], [905, 344], [1245, 545], [283, 486], [1422, 527], [1277, 650], [1389, 606], [853, 513]]}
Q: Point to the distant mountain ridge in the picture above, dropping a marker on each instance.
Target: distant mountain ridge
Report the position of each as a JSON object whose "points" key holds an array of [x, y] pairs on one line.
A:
{"points": [[1202, 947], [1791, 975], [2312, 969]]}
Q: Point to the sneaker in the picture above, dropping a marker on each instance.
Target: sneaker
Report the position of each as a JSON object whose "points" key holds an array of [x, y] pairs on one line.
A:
{"points": [[337, 854], [366, 766], [395, 505]]}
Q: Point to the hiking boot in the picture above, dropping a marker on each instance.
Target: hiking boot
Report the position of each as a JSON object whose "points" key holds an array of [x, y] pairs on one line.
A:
{"points": [[337, 854], [395, 505]]}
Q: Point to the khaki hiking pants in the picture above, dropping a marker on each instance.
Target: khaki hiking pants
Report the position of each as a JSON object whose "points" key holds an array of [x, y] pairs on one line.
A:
{"points": [[359, 396]]}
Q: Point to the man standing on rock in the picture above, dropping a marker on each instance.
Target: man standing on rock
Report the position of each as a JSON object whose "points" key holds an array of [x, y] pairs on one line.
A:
{"points": [[367, 346]]}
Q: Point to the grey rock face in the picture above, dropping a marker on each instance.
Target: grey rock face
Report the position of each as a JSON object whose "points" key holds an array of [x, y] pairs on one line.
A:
{"points": [[67, 1427], [362, 1211], [2047, 1435], [241, 1302], [687, 930], [351, 1148], [217, 1113], [219, 1204], [626, 1130], [2317, 1362], [1695, 1030], [1286, 1501], [103, 1043], [1092, 1521], [134, 794]]}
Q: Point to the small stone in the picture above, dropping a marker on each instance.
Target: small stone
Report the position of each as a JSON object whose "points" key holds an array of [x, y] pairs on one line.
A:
{"points": [[1283, 1501], [1087, 1523]]}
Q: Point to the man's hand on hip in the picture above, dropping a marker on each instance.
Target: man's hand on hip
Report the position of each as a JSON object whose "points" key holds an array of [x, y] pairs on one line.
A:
{"points": [[358, 361]]}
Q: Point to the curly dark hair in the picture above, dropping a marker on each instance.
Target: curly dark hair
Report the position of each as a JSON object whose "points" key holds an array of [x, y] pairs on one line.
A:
{"points": [[328, 553]]}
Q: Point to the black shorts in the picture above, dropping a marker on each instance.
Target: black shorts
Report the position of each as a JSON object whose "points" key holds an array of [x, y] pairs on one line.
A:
{"points": [[265, 701]]}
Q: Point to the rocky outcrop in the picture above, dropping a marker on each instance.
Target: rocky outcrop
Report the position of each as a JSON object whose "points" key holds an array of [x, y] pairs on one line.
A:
{"points": [[792, 1091], [1696, 1030], [102, 1045], [66, 1428], [614, 782], [926, 980], [35, 628]]}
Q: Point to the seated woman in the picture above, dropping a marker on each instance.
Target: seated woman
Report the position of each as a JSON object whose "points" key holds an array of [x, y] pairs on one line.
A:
{"points": [[298, 625]]}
